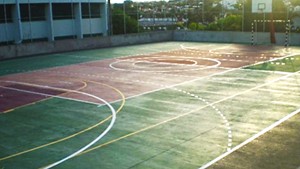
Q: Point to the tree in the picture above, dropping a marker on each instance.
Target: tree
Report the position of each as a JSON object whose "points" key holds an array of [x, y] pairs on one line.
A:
{"points": [[204, 11], [295, 3], [212, 10], [232, 23], [118, 22], [196, 26]]}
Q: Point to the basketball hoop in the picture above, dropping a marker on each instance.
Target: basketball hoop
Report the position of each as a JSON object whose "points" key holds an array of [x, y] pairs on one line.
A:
{"points": [[261, 6]]}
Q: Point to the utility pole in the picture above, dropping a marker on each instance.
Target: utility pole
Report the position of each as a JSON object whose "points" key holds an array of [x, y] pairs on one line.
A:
{"points": [[243, 22], [124, 17], [109, 12], [202, 11], [137, 17]]}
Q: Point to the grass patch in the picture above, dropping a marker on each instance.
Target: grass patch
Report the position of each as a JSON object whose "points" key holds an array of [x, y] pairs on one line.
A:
{"points": [[278, 148], [289, 64]]}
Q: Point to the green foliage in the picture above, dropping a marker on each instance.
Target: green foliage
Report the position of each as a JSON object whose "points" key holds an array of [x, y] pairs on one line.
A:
{"points": [[290, 64], [232, 23], [295, 2], [193, 26], [213, 27], [205, 14], [209, 12], [196, 26], [118, 23]]}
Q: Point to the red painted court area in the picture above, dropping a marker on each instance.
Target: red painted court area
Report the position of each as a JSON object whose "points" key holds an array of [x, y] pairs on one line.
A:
{"points": [[180, 107], [173, 67], [16, 95]]}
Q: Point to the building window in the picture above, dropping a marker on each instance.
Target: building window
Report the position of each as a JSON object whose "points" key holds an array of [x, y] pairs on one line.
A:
{"points": [[91, 10], [5, 13], [32, 12], [63, 11]]}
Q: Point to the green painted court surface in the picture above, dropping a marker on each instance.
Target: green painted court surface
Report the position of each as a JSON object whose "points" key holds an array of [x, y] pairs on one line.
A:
{"points": [[176, 125]]}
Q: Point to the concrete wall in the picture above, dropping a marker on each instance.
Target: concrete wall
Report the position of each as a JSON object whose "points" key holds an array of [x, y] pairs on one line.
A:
{"points": [[207, 36], [235, 37], [132, 39], [36, 48]]}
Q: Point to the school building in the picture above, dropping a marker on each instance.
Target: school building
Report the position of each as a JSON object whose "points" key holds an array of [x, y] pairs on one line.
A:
{"points": [[48, 20]]}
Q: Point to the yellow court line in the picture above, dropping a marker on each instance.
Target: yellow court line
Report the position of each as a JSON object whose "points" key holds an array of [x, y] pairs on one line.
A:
{"points": [[141, 130], [75, 134], [190, 112], [32, 103]]}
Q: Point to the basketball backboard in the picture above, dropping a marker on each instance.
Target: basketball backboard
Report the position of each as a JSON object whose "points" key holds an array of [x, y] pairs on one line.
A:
{"points": [[261, 6]]}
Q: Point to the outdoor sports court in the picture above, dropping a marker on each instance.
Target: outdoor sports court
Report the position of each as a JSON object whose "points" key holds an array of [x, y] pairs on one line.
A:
{"points": [[177, 104]]}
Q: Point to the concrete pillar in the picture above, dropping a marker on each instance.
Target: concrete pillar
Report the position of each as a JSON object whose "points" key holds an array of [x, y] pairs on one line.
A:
{"points": [[49, 20], [78, 20], [104, 18], [17, 22]]}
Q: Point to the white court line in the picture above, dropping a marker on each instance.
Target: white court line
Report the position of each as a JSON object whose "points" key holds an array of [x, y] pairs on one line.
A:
{"points": [[232, 96], [202, 77], [225, 120], [261, 132], [113, 119], [251, 139], [165, 63], [211, 104], [48, 95], [190, 49], [131, 69], [182, 83], [151, 83]]}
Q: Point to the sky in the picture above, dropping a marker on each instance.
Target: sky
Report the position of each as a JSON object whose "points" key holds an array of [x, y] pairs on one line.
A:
{"points": [[121, 1]]}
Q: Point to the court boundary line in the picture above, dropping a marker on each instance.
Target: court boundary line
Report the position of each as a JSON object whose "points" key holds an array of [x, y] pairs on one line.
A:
{"points": [[268, 61], [197, 78], [257, 87], [185, 82], [164, 87], [176, 117], [255, 136], [170, 50], [207, 76]]}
